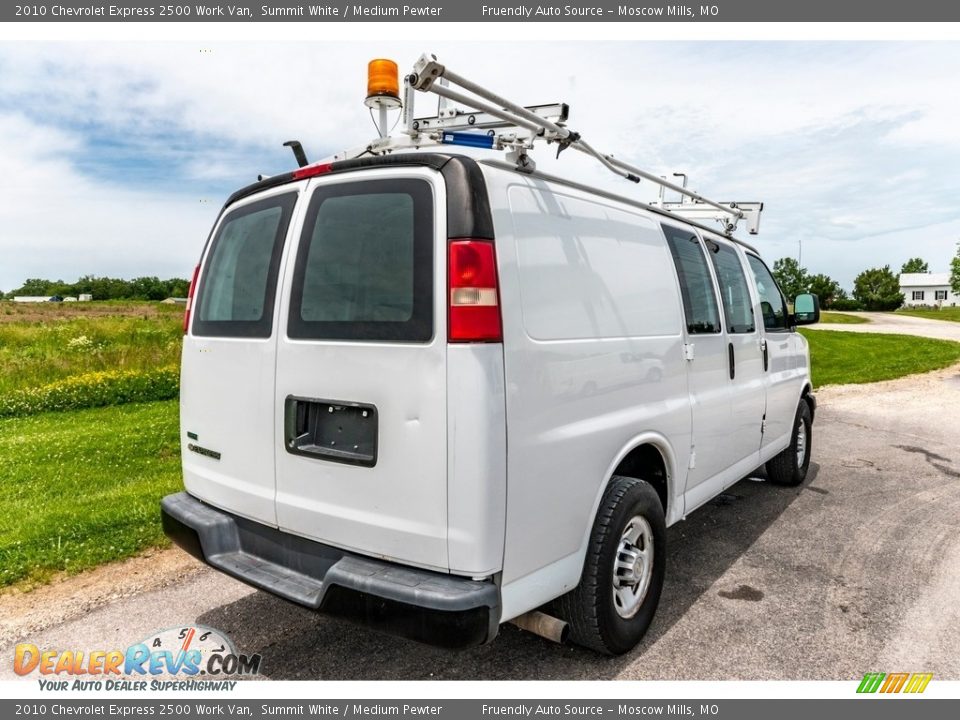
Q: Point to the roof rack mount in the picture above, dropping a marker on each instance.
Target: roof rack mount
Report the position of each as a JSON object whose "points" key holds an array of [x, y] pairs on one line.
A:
{"points": [[497, 123]]}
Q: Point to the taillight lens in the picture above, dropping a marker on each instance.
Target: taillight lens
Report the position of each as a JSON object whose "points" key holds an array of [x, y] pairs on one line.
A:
{"points": [[190, 293], [474, 309]]}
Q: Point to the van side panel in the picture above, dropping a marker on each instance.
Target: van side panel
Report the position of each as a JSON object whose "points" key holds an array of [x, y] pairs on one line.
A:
{"points": [[593, 355], [477, 458]]}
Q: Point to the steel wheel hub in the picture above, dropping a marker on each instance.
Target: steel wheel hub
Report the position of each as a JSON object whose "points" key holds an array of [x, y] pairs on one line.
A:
{"points": [[801, 444], [633, 567]]}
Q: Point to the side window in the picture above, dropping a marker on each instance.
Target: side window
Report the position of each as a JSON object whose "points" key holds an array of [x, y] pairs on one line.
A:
{"points": [[737, 305], [239, 280], [696, 286], [772, 306]]}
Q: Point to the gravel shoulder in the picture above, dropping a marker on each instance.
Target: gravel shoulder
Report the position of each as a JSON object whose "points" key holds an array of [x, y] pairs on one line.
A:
{"points": [[896, 324]]}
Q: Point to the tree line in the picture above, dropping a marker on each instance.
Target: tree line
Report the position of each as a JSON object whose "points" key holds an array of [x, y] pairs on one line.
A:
{"points": [[105, 288], [873, 289]]}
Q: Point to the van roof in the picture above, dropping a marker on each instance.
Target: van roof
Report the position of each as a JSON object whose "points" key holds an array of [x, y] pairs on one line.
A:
{"points": [[468, 208]]}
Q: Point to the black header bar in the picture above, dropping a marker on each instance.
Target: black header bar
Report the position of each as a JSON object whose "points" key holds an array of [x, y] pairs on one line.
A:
{"points": [[485, 11]]}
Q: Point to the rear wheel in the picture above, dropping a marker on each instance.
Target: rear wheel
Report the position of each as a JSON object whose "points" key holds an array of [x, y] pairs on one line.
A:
{"points": [[612, 607], [790, 466]]}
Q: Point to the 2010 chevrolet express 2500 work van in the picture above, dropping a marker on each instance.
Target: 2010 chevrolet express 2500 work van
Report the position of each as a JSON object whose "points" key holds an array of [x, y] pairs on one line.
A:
{"points": [[435, 394]]}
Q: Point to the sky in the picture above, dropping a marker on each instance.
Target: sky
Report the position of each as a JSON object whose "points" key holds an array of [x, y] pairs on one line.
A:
{"points": [[116, 157]]}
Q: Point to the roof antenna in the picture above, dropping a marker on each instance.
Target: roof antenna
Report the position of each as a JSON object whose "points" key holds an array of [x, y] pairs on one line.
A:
{"points": [[298, 152]]}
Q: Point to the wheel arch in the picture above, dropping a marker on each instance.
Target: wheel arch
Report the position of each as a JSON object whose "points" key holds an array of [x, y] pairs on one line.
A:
{"points": [[648, 456], [806, 395]]}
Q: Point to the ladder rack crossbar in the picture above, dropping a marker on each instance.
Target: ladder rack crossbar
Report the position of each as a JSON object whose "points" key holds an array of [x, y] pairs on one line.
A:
{"points": [[489, 108], [536, 122], [468, 120]]}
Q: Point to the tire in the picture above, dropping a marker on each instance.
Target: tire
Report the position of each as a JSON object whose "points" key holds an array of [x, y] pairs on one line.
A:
{"points": [[597, 615], [789, 468]]}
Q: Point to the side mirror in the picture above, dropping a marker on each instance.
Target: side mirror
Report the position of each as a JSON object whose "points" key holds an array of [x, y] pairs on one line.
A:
{"points": [[806, 309]]}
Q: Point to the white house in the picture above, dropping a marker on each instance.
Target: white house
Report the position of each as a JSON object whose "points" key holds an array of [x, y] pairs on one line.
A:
{"points": [[931, 289]]}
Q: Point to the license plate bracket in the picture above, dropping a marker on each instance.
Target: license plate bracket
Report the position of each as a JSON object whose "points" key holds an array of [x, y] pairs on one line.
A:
{"points": [[333, 430]]}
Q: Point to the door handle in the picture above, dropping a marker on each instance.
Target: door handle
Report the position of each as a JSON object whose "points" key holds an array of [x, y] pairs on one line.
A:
{"points": [[766, 355], [733, 363]]}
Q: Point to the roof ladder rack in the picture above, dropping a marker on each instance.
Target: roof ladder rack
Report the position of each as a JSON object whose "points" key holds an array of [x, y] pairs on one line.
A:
{"points": [[497, 123]]}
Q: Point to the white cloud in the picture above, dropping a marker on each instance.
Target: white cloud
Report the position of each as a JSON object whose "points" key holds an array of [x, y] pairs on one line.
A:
{"points": [[57, 223], [845, 142]]}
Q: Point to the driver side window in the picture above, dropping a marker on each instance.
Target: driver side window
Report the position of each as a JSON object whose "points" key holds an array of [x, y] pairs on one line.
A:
{"points": [[772, 306]]}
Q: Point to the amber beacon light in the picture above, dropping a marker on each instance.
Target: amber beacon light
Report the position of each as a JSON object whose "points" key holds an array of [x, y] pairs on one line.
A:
{"points": [[383, 84]]}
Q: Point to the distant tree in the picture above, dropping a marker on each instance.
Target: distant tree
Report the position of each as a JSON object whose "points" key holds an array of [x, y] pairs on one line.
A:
{"points": [[955, 272], [148, 288], [878, 289], [177, 287], [915, 265], [105, 288], [845, 303], [791, 278], [825, 288], [34, 286]]}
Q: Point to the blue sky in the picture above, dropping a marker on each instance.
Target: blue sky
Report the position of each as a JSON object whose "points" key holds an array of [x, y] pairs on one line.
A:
{"points": [[115, 157]]}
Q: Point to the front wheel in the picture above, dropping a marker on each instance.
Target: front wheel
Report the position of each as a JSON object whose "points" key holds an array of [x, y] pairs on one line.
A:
{"points": [[790, 466], [612, 607]]}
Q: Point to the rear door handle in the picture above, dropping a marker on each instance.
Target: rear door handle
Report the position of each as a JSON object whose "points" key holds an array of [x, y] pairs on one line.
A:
{"points": [[733, 363], [766, 355]]}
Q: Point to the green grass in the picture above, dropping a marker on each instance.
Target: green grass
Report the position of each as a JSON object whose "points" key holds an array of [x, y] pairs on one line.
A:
{"points": [[836, 318], [41, 352], [81, 488], [946, 313], [845, 357]]}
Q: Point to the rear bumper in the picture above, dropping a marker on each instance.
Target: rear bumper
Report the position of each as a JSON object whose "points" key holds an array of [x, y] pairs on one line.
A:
{"points": [[421, 605]]}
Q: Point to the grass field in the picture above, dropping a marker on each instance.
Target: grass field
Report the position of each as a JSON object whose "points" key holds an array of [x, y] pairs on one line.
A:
{"points": [[947, 313], [836, 318], [38, 352], [840, 358], [81, 488]]}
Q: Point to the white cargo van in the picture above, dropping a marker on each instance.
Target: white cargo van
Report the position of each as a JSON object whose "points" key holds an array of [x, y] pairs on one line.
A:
{"points": [[434, 394]]}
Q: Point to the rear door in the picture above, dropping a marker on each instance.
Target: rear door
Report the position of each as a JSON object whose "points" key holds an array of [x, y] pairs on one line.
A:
{"points": [[744, 358], [360, 402], [709, 385], [228, 365]]}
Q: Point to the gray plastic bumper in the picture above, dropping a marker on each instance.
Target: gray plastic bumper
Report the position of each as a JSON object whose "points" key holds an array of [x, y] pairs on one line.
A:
{"points": [[418, 604]]}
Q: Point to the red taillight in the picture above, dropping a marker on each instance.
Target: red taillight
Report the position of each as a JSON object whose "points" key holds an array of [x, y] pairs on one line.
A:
{"points": [[473, 292], [309, 171], [193, 289]]}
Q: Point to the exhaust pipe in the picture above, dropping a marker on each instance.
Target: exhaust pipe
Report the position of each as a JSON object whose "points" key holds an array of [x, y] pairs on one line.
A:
{"points": [[546, 626]]}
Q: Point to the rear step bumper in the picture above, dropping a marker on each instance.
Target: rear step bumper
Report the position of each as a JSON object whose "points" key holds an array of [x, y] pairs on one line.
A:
{"points": [[421, 605]]}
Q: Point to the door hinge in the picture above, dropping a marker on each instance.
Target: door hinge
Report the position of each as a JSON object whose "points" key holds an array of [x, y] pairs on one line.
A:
{"points": [[688, 351], [693, 459]]}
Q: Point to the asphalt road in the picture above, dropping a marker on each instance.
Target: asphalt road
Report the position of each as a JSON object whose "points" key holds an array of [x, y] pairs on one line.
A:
{"points": [[857, 570], [898, 324]]}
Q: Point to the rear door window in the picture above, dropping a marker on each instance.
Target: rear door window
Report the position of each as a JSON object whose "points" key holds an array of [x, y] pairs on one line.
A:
{"points": [[364, 268], [239, 283]]}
